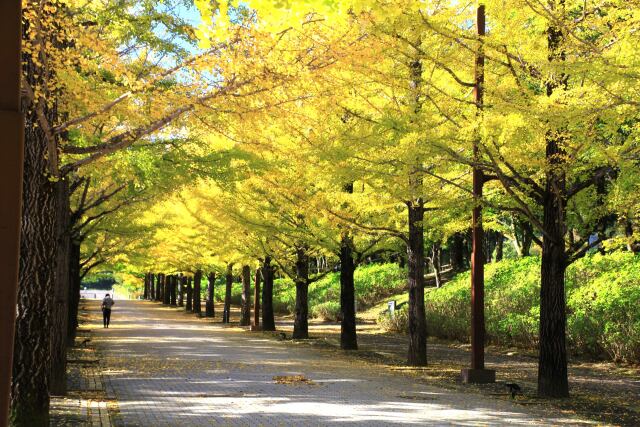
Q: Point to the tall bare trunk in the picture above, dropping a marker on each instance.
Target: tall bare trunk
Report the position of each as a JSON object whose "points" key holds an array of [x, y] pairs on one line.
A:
{"points": [[301, 320], [226, 314], [182, 282], [245, 318], [166, 290], [174, 290], [436, 253], [552, 367], [197, 298], [417, 354], [32, 355], [74, 292], [61, 292], [268, 320], [150, 290], [348, 338], [256, 300], [189, 305], [210, 310]]}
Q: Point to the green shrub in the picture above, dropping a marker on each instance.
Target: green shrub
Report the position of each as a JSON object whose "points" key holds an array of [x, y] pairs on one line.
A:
{"points": [[603, 310], [372, 283], [399, 322], [328, 311]]}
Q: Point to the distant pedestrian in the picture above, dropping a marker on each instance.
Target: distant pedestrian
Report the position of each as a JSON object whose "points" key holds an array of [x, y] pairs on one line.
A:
{"points": [[107, 303]]}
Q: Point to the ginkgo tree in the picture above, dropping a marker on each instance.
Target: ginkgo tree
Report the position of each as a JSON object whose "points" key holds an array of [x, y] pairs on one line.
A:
{"points": [[269, 133]]}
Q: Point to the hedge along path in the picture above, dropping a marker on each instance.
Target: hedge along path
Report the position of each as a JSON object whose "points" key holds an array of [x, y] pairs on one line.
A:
{"points": [[165, 366]]}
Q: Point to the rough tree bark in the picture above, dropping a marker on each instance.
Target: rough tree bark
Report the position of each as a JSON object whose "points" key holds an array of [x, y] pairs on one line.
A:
{"points": [[417, 354], [301, 320], [62, 291], [226, 313], [552, 362], [268, 320], [245, 318], [348, 338], [74, 297], [32, 355], [197, 303], [210, 310]]}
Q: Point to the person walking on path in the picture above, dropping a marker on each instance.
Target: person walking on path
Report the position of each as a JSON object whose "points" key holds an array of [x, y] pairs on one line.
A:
{"points": [[107, 303]]}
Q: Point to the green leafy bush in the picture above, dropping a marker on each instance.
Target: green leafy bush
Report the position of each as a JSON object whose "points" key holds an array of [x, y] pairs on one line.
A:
{"points": [[399, 322], [603, 309], [328, 311]]}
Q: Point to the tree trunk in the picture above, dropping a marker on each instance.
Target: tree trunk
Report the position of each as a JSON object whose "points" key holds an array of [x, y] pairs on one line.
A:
{"points": [[149, 289], [74, 295], [226, 314], [552, 366], [301, 321], [32, 355], [489, 243], [210, 310], [436, 252], [161, 280], [268, 320], [456, 252], [348, 338], [145, 291], [197, 298], [417, 355], [166, 300], [256, 301], [61, 293], [499, 247], [189, 306], [154, 286], [182, 281], [174, 290], [245, 319], [522, 236]]}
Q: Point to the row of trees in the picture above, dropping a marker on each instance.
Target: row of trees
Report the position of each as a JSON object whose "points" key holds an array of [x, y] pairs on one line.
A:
{"points": [[179, 290], [110, 91], [274, 134]]}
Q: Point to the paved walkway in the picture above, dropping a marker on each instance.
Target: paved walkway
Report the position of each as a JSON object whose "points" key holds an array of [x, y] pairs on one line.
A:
{"points": [[167, 368]]}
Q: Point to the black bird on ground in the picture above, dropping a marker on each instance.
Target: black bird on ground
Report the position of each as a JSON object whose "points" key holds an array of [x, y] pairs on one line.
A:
{"points": [[513, 389]]}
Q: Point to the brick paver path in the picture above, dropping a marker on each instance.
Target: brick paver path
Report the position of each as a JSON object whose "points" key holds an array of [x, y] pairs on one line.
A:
{"points": [[167, 368]]}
